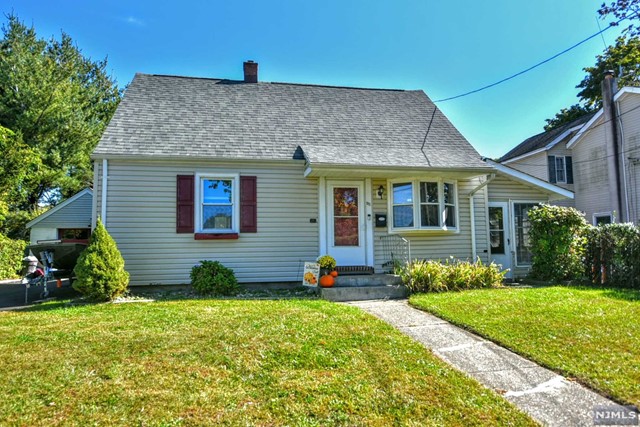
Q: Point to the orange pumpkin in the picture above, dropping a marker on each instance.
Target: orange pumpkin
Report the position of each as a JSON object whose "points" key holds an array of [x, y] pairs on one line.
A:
{"points": [[334, 274], [327, 281]]}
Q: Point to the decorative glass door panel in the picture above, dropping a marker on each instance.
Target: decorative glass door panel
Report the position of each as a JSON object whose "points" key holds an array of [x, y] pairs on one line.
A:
{"points": [[496, 229], [500, 236], [346, 218]]}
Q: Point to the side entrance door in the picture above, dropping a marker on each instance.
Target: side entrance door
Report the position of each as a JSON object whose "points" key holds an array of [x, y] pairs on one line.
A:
{"points": [[499, 235], [345, 222]]}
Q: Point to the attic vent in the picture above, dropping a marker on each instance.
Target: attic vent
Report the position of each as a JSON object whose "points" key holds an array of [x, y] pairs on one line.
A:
{"points": [[250, 72]]}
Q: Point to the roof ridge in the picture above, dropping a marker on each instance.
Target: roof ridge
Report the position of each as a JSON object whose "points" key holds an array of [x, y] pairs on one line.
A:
{"points": [[280, 83], [342, 87]]}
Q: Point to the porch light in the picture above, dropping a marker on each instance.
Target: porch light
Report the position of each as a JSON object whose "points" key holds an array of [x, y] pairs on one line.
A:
{"points": [[381, 192]]}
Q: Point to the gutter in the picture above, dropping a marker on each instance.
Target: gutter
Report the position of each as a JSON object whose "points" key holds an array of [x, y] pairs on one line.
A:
{"points": [[103, 204]]}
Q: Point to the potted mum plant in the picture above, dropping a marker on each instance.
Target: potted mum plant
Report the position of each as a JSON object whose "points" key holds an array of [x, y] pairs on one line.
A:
{"points": [[328, 271]]}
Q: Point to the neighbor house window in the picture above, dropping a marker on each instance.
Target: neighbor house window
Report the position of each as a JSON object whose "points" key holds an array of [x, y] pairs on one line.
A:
{"points": [[428, 204], [602, 218], [522, 226], [560, 169], [560, 177], [218, 205]]}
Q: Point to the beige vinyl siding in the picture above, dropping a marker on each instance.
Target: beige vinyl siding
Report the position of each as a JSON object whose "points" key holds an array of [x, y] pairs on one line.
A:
{"points": [[76, 214], [631, 130], [141, 217], [438, 245], [592, 191], [502, 189], [535, 165]]}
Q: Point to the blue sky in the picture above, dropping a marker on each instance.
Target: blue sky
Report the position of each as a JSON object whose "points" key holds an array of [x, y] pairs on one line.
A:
{"points": [[444, 48]]}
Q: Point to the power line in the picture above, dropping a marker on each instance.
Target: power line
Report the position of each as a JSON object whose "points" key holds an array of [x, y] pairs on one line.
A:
{"points": [[513, 76]]}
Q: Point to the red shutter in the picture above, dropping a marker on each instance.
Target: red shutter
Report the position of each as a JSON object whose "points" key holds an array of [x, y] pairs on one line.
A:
{"points": [[185, 204], [248, 205]]}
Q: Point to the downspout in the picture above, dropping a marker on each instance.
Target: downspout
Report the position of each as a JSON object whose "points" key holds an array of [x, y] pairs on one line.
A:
{"points": [[103, 203], [472, 213], [624, 162]]}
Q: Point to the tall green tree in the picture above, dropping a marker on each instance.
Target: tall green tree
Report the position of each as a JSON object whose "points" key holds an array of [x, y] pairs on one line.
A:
{"points": [[567, 115], [623, 58], [57, 103], [625, 11]]}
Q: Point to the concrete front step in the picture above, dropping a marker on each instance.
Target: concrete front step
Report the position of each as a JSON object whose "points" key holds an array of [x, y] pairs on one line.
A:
{"points": [[361, 293], [368, 280]]}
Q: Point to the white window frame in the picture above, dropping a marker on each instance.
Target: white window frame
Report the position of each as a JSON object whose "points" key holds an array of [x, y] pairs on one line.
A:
{"points": [[563, 161], [415, 184], [514, 235], [235, 197], [602, 214]]}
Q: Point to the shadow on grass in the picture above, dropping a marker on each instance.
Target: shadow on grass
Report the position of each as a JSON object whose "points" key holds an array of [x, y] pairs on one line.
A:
{"points": [[169, 293]]}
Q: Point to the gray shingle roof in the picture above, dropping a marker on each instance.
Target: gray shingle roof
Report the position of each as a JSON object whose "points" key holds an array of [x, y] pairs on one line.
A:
{"points": [[542, 139], [209, 118]]}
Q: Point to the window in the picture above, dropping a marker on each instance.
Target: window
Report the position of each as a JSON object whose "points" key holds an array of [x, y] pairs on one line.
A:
{"points": [[426, 205], [522, 227], [403, 205], [496, 230], [218, 204], [74, 233], [602, 218], [560, 169]]}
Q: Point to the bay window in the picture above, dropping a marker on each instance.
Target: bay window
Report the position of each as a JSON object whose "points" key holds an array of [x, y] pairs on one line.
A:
{"points": [[423, 205]]}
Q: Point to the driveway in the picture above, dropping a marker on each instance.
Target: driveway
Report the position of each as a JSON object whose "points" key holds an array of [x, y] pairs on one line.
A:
{"points": [[12, 293]]}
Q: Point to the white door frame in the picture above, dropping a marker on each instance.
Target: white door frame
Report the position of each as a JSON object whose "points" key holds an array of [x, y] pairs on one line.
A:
{"points": [[325, 206], [504, 259]]}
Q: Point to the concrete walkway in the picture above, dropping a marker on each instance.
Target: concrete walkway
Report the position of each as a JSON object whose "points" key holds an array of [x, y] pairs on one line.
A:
{"points": [[546, 396]]}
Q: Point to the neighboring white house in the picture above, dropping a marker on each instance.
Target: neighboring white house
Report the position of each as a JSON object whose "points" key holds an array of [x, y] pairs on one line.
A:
{"points": [[265, 176], [596, 156], [69, 220]]}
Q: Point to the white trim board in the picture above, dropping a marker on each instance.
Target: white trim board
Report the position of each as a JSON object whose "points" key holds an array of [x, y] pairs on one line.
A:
{"points": [[530, 180], [547, 147], [59, 206]]}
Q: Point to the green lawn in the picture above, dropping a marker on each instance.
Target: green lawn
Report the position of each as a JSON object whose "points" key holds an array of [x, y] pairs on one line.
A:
{"points": [[589, 334], [228, 362]]}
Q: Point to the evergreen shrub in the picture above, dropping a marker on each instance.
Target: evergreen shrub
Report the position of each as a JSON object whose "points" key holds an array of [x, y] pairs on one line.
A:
{"points": [[213, 278], [100, 273]]}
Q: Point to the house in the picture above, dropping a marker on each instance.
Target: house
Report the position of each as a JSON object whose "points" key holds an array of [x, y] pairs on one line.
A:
{"points": [[265, 176], [68, 220], [596, 156]]}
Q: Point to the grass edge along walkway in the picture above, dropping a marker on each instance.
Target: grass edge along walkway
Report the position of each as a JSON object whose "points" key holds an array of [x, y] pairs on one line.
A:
{"points": [[588, 334]]}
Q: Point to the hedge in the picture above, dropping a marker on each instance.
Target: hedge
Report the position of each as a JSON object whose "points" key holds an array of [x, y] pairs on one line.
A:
{"points": [[11, 254]]}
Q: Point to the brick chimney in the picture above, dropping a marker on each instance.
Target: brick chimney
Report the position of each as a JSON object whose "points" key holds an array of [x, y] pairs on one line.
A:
{"points": [[250, 72]]}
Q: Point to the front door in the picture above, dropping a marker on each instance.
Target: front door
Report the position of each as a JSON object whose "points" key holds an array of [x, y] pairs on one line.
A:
{"points": [[345, 225], [499, 236]]}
